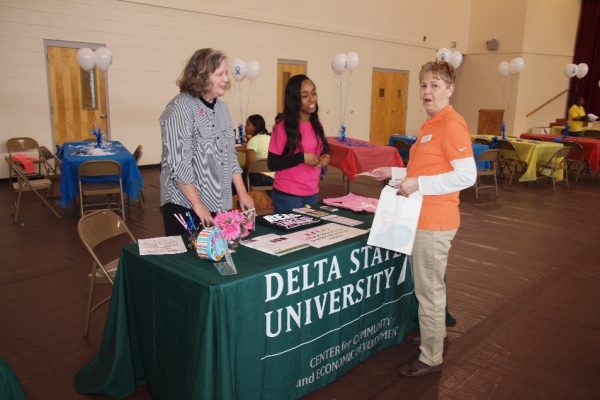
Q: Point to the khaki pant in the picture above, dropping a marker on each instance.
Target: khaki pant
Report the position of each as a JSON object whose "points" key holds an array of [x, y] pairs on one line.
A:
{"points": [[429, 259]]}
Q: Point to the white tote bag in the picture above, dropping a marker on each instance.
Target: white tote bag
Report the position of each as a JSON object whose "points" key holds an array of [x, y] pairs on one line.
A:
{"points": [[395, 222]]}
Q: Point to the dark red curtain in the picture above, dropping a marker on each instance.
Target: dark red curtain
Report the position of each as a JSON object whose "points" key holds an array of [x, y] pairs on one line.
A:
{"points": [[587, 50]]}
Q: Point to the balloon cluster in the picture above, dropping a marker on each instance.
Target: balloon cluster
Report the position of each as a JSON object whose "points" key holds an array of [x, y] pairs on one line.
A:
{"points": [[88, 58], [241, 69], [578, 70], [513, 67], [344, 62], [453, 58]]}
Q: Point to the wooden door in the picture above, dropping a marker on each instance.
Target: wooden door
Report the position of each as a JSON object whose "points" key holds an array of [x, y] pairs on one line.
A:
{"points": [[77, 97], [489, 122], [285, 70], [388, 104]]}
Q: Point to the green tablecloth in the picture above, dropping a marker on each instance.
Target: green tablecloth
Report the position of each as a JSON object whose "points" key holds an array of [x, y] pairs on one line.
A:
{"points": [[10, 389], [281, 328]]}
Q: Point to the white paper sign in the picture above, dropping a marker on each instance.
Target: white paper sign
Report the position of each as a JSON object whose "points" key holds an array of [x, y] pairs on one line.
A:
{"points": [[324, 235], [161, 245], [395, 222]]}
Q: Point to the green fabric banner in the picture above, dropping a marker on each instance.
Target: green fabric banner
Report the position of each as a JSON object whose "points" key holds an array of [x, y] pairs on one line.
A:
{"points": [[281, 328]]}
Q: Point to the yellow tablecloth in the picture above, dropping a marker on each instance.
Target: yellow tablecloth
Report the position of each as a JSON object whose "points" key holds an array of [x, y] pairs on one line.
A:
{"points": [[531, 152]]}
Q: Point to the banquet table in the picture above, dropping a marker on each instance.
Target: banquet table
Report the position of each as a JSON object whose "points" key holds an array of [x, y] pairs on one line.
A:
{"points": [[591, 147], [531, 152], [76, 153], [279, 329]]}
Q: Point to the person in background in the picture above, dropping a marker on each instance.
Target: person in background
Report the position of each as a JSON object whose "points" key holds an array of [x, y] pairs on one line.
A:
{"points": [[441, 165], [298, 149], [577, 117], [199, 162], [257, 148]]}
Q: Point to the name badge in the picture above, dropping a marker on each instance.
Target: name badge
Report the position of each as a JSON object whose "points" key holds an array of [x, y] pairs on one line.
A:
{"points": [[426, 138]]}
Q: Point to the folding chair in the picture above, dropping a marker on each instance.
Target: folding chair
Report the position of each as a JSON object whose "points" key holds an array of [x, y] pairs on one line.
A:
{"points": [[558, 162], [487, 166], [100, 178], [137, 155], [510, 162], [51, 167], [25, 183], [101, 227], [403, 149], [259, 165], [576, 160], [24, 145], [483, 141]]}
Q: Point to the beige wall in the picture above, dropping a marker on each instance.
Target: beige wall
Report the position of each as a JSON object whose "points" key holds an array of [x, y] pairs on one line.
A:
{"points": [[151, 41], [542, 32]]}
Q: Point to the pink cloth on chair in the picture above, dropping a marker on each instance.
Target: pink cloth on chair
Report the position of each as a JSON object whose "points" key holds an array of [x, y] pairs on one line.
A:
{"points": [[353, 202], [26, 161]]}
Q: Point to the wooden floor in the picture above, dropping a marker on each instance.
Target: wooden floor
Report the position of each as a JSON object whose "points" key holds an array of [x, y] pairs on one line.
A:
{"points": [[523, 282]]}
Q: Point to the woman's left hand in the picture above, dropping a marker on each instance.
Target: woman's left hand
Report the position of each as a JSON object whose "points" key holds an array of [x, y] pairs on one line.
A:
{"points": [[323, 161], [246, 201], [407, 186]]}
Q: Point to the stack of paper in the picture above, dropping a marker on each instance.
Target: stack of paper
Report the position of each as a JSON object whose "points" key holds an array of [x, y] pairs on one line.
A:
{"points": [[275, 244]]}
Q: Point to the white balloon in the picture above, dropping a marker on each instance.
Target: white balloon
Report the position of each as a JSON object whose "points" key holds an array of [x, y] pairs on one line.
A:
{"points": [[516, 65], [252, 69], [582, 70], [443, 54], [456, 59], [85, 58], [352, 61], [339, 63], [103, 58], [238, 69], [570, 70], [504, 68]]}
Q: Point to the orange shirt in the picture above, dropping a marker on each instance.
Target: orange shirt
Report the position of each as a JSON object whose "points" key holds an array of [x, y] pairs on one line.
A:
{"points": [[441, 139]]}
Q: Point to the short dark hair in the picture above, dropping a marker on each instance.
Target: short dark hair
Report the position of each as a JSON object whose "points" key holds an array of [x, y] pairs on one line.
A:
{"points": [[194, 78]]}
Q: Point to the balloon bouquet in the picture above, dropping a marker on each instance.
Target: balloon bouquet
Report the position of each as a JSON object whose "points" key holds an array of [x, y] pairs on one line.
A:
{"points": [[506, 69], [87, 60], [240, 70], [571, 71], [343, 62]]}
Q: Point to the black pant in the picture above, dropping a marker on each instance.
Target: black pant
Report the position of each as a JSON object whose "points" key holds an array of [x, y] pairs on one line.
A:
{"points": [[172, 226]]}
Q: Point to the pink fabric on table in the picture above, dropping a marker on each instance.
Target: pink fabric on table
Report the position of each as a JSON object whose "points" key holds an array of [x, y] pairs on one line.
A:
{"points": [[353, 202], [26, 161]]}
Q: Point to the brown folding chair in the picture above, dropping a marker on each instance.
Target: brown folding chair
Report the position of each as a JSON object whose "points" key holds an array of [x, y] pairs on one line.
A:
{"points": [[576, 160], [490, 157], [258, 166], [510, 162], [24, 145], [96, 169], [26, 183], [403, 149], [137, 155], [102, 227], [483, 141], [558, 162], [51, 167]]}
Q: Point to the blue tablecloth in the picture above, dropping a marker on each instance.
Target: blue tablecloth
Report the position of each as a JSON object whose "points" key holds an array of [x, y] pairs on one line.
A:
{"points": [[408, 139], [76, 153], [478, 148]]}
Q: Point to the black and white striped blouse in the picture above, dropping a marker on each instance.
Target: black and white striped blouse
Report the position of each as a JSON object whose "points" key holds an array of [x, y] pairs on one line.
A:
{"points": [[198, 147]]}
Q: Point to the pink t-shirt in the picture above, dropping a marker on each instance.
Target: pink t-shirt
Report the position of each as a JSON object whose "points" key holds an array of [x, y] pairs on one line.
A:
{"points": [[302, 179]]}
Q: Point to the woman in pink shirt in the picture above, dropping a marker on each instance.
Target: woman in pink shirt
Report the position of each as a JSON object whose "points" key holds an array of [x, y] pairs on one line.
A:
{"points": [[298, 149]]}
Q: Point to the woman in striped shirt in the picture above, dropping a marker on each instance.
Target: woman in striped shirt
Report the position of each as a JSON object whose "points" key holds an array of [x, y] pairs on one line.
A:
{"points": [[199, 160]]}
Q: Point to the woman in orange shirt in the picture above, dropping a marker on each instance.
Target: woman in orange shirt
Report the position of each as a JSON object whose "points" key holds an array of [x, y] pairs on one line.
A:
{"points": [[441, 165]]}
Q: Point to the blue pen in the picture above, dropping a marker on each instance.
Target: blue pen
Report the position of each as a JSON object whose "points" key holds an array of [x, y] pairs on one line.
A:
{"points": [[190, 222]]}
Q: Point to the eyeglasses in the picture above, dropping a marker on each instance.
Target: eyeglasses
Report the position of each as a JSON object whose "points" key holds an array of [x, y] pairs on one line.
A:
{"points": [[447, 69]]}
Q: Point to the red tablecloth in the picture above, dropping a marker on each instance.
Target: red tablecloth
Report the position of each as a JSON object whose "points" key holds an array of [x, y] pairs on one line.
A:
{"points": [[355, 156], [591, 147]]}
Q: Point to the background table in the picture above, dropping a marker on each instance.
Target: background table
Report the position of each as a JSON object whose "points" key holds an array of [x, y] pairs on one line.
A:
{"points": [[591, 147], [73, 157], [531, 152], [478, 148], [190, 333], [355, 156]]}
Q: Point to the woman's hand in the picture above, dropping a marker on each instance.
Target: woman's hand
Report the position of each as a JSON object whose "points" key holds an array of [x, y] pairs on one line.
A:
{"points": [[311, 159], [324, 160], [382, 173], [407, 186], [204, 215], [246, 201]]}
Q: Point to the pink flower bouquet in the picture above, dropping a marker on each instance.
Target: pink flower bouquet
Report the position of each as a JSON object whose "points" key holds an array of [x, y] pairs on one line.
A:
{"points": [[234, 224]]}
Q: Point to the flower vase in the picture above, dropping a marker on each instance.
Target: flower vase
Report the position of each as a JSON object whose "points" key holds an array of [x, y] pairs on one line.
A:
{"points": [[98, 141], [233, 244]]}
